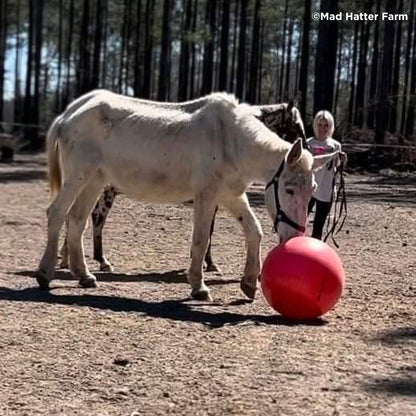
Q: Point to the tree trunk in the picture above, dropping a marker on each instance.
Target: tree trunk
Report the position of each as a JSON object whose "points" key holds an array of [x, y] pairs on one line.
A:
{"points": [[304, 63], [164, 69], [128, 48], [241, 61], [95, 80], [17, 92], [193, 50], [36, 143], [27, 110], [394, 115], [254, 61], [297, 66], [103, 80], [3, 48], [288, 59], [184, 53], [338, 72], [148, 48], [382, 114], [123, 36], [208, 65], [412, 92], [137, 70], [58, 80], [326, 56], [361, 77], [351, 105], [97, 46], [232, 73], [84, 52], [279, 97], [225, 31], [374, 73], [407, 67], [260, 77], [65, 98]]}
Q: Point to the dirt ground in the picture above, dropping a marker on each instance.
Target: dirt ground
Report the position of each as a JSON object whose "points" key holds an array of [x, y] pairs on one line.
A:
{"points": [[137, 345]]}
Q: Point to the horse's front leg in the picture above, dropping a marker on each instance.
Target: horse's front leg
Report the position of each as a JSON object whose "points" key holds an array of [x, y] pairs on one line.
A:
{"points": [[240, 209], [204, 209]]}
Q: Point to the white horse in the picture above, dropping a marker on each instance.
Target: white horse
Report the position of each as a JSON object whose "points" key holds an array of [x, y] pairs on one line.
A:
{"points": [[283, 119], [166, 155]]}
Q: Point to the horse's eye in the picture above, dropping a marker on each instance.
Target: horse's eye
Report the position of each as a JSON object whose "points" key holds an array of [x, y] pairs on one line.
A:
{"points": [[290, 192]]}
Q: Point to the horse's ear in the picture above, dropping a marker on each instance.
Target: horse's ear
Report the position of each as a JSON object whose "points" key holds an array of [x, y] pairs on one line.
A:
{"points": [[295, 152], [292, 103]]}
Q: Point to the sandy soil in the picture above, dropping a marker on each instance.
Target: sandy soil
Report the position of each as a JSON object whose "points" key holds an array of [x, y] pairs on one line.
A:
{"points": [[138, 345]]}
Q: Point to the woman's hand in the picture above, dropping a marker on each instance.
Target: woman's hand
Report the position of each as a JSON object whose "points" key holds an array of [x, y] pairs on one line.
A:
{"points": [[343, 157]]}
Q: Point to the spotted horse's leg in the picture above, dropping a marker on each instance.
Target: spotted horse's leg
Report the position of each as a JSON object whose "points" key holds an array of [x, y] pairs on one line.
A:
{"points": [[210, 265], [99, 217], [63, 252]]}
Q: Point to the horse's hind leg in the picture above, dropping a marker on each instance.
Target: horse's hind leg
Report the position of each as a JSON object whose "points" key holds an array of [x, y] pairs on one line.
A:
{"points": [[99, 217], [204, 209], [56, 216], [241, 210], [77, 220], [210, 265]]}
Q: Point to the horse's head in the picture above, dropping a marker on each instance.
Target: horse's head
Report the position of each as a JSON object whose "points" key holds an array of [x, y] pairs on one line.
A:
{"points": [[284, 120], [288, 193]]}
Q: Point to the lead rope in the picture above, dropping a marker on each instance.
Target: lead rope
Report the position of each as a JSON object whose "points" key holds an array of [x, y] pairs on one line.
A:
{"points": [[340, 214]]}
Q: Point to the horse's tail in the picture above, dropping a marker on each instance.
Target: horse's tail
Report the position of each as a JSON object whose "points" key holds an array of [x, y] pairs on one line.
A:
{"points": [[54, 164]]}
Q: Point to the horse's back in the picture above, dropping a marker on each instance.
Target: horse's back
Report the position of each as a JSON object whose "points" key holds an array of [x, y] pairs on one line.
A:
{"points": [[156, 153]]}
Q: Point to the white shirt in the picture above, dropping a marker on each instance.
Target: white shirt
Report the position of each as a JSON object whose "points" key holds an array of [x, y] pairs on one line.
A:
{"points": [[325, 176]]}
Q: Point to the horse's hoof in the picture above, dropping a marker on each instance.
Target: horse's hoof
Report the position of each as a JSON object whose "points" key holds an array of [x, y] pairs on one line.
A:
{"points": [[89, 281], [213, 268], [42, 280], [249, 291], [203, 295], [106, 267]]}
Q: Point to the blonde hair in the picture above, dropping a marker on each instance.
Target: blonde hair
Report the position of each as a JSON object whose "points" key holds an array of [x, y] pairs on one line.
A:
{"points": [[325, 115]]}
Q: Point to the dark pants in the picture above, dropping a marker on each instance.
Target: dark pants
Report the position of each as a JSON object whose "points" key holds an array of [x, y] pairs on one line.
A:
{"points": [[321, 213]]}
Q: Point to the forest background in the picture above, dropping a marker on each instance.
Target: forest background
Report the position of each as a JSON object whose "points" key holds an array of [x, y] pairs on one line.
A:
{"points": [[263, 51]]}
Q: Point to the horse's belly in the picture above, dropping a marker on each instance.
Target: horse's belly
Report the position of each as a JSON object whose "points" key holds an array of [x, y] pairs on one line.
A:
{"points": [[149, 184]]}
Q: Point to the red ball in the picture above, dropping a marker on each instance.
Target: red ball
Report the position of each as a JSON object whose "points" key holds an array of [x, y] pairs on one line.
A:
{"points": [[302, 278]]}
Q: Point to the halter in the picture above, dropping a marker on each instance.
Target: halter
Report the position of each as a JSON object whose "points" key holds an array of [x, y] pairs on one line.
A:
{"points": [[280, 214]]}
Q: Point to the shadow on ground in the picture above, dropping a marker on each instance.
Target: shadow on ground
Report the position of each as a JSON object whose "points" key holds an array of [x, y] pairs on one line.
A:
{"points": [[24, 175], [398, 336], [185, 310], [173, 276], [394, 190], [255, 198], [403, 386]]}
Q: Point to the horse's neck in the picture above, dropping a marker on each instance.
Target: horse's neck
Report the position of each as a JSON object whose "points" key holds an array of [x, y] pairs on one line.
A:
{"points": [[270, 161], [264, 157]]}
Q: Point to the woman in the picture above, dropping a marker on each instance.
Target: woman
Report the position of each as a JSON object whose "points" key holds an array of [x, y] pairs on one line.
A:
{"points": [[321, 143]]}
